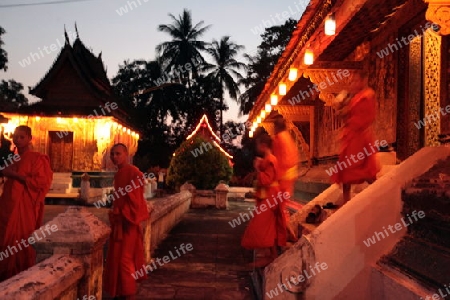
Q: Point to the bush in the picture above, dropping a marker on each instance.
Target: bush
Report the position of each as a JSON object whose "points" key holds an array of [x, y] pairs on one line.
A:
{"points": [[200, 163]]}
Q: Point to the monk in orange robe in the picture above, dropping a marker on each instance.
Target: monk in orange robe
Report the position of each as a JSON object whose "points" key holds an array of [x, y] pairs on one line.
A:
{"points": [[358, 137], [126, 249], [267, 228], [29, 178], [286, 152]]}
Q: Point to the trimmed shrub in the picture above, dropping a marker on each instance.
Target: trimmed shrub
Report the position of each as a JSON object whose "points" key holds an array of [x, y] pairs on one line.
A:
{"points": [[200, 163]]}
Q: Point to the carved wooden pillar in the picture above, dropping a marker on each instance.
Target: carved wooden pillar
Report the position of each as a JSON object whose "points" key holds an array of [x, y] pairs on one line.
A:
{"points": [[438, 12], [432, 87]]}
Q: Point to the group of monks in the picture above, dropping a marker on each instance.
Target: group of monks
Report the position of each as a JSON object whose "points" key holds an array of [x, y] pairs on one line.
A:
{"points": [[29, 179], [277, 170]]}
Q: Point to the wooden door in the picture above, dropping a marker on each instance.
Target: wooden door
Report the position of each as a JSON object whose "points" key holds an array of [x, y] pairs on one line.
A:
{"points": [[61, 150]]}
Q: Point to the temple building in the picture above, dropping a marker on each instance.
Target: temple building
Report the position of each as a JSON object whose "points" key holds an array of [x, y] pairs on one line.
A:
{"points": [[404, 46], [79, 117]]}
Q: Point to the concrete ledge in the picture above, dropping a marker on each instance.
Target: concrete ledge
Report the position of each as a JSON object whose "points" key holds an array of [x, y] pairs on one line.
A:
{"points": [[167, 212], [54, 278]]}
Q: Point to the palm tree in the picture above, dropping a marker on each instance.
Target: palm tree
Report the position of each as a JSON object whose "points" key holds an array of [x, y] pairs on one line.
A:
{"points": [[225, 69], [185, 46]]}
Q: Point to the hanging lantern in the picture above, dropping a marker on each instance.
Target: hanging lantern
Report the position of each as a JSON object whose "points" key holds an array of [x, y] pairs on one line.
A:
{"points": [[258, 120], [250, 134], [292, 74], [309, 57], [330, 25], [268, 107], [273, 99], [282, 89], [263, 114]]}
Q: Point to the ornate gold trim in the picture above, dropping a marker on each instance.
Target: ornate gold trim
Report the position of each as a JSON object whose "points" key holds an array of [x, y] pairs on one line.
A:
{"points": [[438, 12]]}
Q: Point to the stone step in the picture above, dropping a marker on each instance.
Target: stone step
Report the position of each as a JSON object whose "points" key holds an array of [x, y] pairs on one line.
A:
{"points": [[421, 260], [390, 284]]}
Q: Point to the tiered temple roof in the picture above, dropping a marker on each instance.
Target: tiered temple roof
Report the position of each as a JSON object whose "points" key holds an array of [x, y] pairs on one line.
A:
{"points": [[76, 84]]}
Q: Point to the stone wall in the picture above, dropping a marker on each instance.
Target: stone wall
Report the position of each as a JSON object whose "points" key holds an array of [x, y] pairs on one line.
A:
{"points": [[166, 214], [70, 260], [54, 278]]}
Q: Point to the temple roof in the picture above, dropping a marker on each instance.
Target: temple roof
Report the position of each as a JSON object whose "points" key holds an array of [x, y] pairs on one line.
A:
{"points": [[76, 84], [88, 67], [358, 21], [205, 130]]}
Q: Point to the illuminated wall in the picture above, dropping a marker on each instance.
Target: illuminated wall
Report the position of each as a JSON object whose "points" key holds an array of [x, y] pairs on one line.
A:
{"points": [[92, 137]]}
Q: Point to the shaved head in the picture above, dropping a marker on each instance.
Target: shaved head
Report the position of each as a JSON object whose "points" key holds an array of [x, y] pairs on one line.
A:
{"points": [[25, 129], [121, 146]]}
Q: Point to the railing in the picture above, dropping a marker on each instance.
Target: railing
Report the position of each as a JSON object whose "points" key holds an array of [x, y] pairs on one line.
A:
{"points": [[70, 261]]}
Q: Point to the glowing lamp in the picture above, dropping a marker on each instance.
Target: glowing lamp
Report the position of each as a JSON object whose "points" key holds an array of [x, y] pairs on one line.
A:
{"points": [[75, 120], [128, 131], [308, 59], [274, 100], [120, 126], [263, 114], [137, 135], [268, 107], [124, 129], [292, 74], [250, 134], [282, 89], [258, 120], [58, 120], [330, 25], [38, 118]]}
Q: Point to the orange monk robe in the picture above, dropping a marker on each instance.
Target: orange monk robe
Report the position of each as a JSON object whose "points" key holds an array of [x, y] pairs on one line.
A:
{"points": [[267, 228], [22, 211], [358, 137], [286, 152], [126, 249]]}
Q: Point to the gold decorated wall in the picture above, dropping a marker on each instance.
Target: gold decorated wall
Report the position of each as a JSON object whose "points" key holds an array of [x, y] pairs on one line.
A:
{"points": [[72, 143]]}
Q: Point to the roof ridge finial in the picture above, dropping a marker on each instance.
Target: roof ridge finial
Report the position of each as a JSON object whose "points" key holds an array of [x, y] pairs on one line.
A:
{"points": [[66, 36], [76, 30]]}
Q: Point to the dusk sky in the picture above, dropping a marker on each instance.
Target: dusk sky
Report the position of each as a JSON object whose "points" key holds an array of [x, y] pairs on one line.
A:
{"points": [[125, 30]]}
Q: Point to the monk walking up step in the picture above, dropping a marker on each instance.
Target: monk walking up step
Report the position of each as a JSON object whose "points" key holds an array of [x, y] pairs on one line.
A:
{"points": [[286, 152], [357, 137], [29, 178], [125, 248], [267, 228]]}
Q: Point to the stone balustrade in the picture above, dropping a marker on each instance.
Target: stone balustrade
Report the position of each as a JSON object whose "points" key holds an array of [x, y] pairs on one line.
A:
{"points": [[166, 214], [70, 256]]}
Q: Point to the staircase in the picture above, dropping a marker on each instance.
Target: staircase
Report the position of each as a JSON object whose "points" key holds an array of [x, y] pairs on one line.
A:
{"points": [[61, 184], [423, 254], [411, 263]]}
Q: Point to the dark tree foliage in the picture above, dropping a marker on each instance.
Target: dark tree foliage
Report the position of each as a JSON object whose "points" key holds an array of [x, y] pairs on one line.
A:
{"points": [[3, 54], [11, 95], [261, 65], [225, 69]]}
